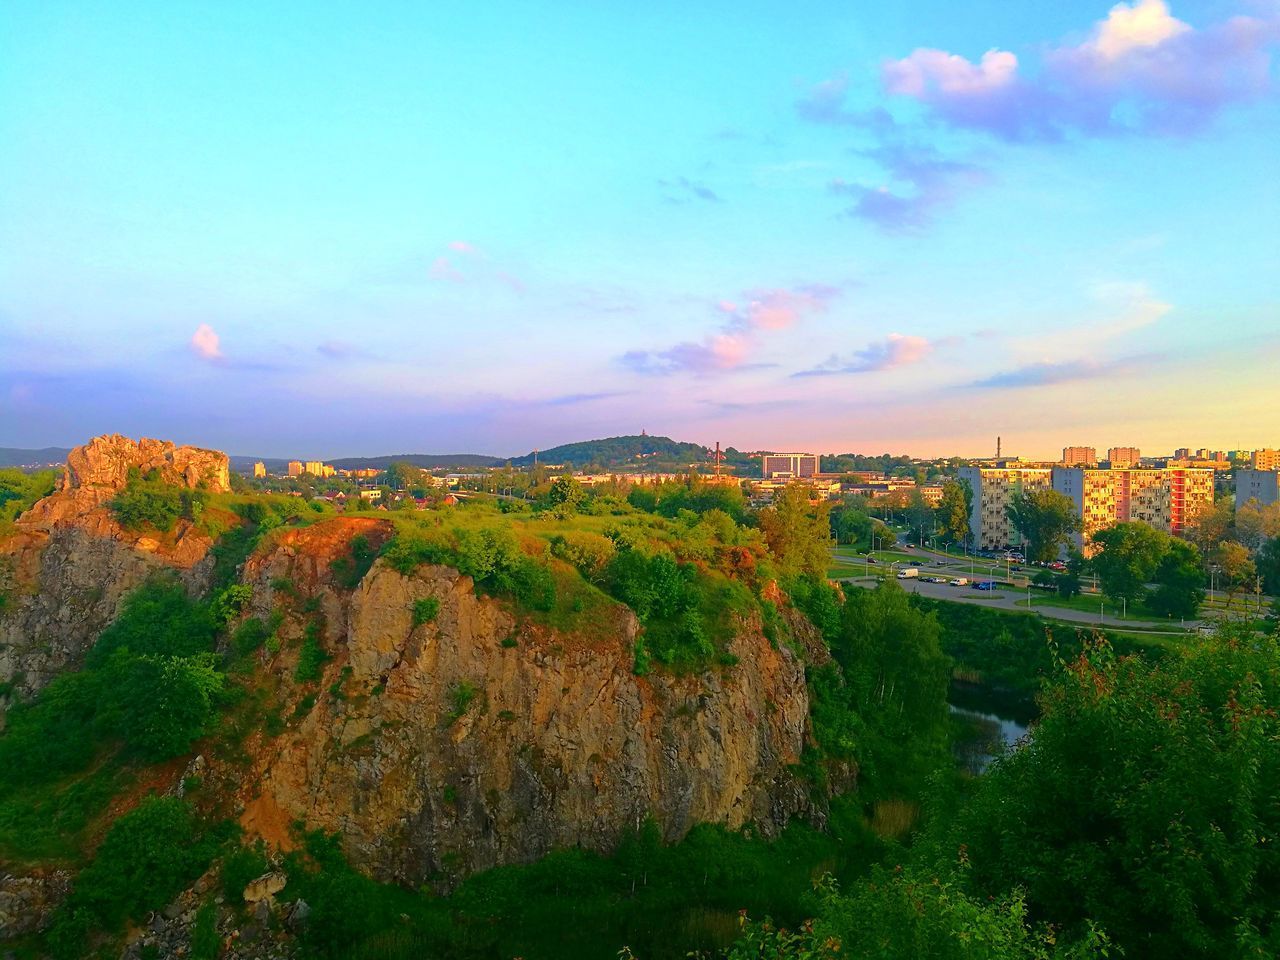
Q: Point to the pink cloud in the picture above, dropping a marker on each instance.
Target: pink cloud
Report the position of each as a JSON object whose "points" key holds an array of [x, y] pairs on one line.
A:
{"points": [[443, 269], [461, 246], [895, 350], [1140, 70], [732, 346], [205, 343]]}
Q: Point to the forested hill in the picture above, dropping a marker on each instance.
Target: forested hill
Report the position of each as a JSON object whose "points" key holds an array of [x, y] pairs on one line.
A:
{"points": [[427, 461], [20, 457], [631, 452]]}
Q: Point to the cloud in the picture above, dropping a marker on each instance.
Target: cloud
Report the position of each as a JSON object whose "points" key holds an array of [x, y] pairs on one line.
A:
{"points": [[742, 328], [1124, 308], [343, 350], [1139, 71], [206, 344], [921, 182], [682, 190], [1066, 371], [443, 269], [825, 103], [461, 246], [896, 350]]}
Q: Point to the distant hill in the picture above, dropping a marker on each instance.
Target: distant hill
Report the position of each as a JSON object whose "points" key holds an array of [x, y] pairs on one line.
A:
{"points": [[615, 453], [45, 456], [428, 461]]}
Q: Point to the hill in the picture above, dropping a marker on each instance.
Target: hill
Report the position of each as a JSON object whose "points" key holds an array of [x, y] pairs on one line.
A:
{"points": [[44, 457], [632, 452]]}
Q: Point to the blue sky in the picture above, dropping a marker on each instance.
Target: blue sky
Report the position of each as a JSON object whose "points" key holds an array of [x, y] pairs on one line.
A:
{"points": [[494, 227]]}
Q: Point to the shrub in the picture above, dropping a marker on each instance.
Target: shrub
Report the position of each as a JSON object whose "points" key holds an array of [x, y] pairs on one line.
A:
{"points": [[241, 866], [425, 610], [348, 571], [147, 856], [461, 695], [147, 502], [311, 657]]}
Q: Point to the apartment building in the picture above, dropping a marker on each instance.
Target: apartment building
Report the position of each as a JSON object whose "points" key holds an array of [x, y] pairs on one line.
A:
{"points": [[259, 469], [1123, 457], [1267, 459], [778, 466], [295, 468], [993, 490], [1260, 485], [1079, 456], [1167, 499]]}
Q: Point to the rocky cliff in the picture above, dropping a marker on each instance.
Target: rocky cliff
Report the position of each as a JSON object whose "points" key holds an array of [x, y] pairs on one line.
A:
{"points": [[477, 738], [69, 565]]}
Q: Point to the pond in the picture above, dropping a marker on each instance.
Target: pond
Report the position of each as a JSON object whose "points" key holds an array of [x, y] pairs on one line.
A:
{"points": [[985, 722]]}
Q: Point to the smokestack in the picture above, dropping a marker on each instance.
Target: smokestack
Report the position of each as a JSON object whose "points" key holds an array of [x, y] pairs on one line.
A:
{"points": [[997, 448]]}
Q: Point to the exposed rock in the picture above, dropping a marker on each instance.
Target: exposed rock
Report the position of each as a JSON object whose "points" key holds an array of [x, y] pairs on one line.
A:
{"points": [[70, 565], [265, 887], [558, 744], [27, 902], [106, 461]]}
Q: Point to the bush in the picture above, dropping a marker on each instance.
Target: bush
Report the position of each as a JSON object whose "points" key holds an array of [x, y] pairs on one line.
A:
{"points": [[242, 865], [147, 856], [147, 502], [461, 695], [311, 657], [425, 610], [161, 704], [348, 571]]}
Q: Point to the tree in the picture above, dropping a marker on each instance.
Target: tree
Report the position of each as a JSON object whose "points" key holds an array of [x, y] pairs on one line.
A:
{"points": [[566, 495], [1268, 565], [1235, 570], [1212, 525], [1256, 523], [896, 678], [953, 512], [919, 514], [850, 526], [1045, 519], [1179, 581], [1127, 559], [798, 532], [1141, 800]]}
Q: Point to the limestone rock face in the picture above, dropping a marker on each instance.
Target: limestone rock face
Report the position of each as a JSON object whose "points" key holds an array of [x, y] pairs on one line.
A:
{"points": [[105, 462], [479, 739], [69, 566]]}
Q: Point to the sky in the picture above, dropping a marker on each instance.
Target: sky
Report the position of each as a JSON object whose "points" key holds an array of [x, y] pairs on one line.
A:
{"points": [[341, 229]]}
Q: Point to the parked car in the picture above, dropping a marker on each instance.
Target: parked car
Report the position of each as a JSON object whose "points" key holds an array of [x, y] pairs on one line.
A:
{"points": [[960, 582], [908, 573], [985, 585]]}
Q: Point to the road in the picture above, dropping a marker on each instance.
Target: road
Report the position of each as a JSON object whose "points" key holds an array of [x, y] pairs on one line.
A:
{"points": [[932, 563]]}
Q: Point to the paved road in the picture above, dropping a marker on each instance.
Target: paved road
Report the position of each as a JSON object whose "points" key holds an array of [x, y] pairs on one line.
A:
{"points": [[933, 563], [1008, 600]]}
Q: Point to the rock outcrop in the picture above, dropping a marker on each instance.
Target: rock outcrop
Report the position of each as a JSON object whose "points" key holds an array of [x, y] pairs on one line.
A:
{"points": [[69, 566], [478, 739]]}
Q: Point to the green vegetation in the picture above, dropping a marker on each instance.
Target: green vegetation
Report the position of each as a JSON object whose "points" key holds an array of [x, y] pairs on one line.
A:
{"points": [[461, 696], [660, 900], [147, 857], [311, 655], [19, 491], [348, 571], [425, 610], [1045, 519], [151, 685], [150, 502], [1140, 817]]}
